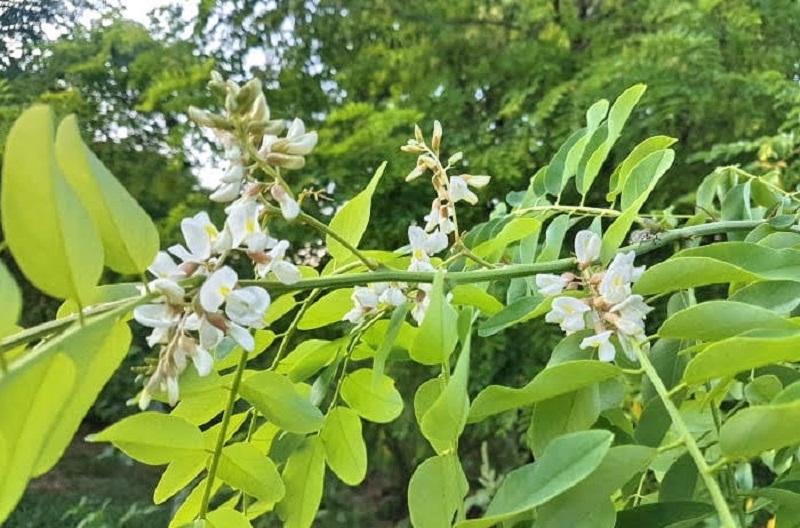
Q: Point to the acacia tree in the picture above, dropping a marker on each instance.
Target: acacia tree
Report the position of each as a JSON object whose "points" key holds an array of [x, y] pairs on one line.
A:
{"points": [[665, 425]]}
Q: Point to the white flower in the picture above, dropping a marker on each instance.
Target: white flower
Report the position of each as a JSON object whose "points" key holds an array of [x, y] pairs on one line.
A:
{"points": [[242, 336], [299, 142], [568, 312], [285, 271], [210, 334], [247, 306], [187, 347], [623, 262], [606, 350], [227, 192], [216, 288], [459, 191], [587, 247], [244, 227], [289, 207], [155, 315], [615, 286], [390, 294], [365, 300], [163, 267], [633, 307], [173, 390], [550, 284], [421, 302], [423, 246], [171, 290], [202, 239]]}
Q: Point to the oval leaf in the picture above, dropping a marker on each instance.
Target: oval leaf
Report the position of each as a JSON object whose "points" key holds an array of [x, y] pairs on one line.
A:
{"points": [[48, 230], [303, 476], [345, 450], [274, 396], [757, 429], [243, 467], [373, 397], [435, 491]]}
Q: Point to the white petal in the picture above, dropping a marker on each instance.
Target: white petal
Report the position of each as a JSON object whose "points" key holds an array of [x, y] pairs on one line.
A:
{"points": [[417, 237], [173, 391], [289, 207], [180, 252], [227, 192], [170, 289], [164, 267], [550, 284], [296, 129], [286, 272], [154, 315], [157, 336], [144, 399], [477, 181], [303, 145], [216, 288], [587, 247], [241, 336], [197, 237], [436, 242], [210, 335], [459, 191], [203, 362]]}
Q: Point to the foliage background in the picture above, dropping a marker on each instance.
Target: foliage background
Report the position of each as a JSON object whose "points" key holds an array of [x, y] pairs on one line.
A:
{"points": [[509, 80]]}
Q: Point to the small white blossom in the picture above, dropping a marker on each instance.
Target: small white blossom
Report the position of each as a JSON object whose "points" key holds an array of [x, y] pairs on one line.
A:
{"points": [[226, 192], [568, 312], [216, 288], [605, 348], [615, 286], [289, 207], [275, 262], [365, 300], [458, 191], [247, 306], [587, 247], [202, 239], [424, 245], [244, 228], [550, 284], [163, 267]]}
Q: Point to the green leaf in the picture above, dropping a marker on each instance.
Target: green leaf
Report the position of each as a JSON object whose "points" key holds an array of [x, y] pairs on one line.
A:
{"points": [[664, 514], [588, 504], [644, 175], [639, 152], [303, 476], [781, 296], [244, 467], [744, 352], [436, 489], [389, 338], [566, 462], [228, 518], [568, 413], [427, 393], [754, 430], [37, 393], [153, 438], [680, 480], [328, 309], [178, 474], [438, 335], [274, 396], [373, 398], [97, 349], [514, 231], [471, 295], [594, 154], [190, 508], [556, 176], [689, 272], [554, 238], [308, 358], [129, 236], [263, 339], [763, 389], [350, 222], [10, 302], [649, 170], [715, 320], [49, 232], [521, 310], [551, 382], [622, 108], [444, 421], [345, 450]]}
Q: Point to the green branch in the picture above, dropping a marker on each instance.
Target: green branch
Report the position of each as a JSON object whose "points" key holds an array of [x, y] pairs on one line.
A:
{"points": [[357, 279], [720, 503]]}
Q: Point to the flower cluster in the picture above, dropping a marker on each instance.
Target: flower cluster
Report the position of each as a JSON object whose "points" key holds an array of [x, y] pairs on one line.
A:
{"points": [[611, 308], [191, 325]]}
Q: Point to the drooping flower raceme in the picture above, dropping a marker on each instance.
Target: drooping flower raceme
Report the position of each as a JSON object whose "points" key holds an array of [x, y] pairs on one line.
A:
{"points": [[608, 307]]}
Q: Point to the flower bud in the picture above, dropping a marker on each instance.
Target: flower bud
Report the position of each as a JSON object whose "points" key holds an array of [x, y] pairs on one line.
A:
{"points": [[287, 161], [455, 158], [248, 94], [289, 207], [436, 140], [259, 111], [418, 134], [476, 181]]}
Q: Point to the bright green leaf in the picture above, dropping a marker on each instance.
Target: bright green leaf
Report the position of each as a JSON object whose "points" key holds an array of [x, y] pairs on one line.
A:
{"points": [[471, 295], [308, 358], [129, 236], [566, 462], [228, 518], [350, 222], [345, 450], [274, 396], [303, 476], [153, 438], [715, 320], [10, 302], [639, 152], [178, 474], [244, 467], [328, 309], [551, 382], [435, 491], [437, 336], [373, 398], [50, 233], [757, 429]]}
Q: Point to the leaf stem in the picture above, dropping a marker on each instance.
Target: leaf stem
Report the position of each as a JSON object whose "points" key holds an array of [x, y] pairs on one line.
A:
{"points": [[226, 419], [720, 503]]}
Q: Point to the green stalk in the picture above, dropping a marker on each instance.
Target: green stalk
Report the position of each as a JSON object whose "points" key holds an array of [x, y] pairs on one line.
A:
{"points": [[226, 419], [717, 497], [321, 227]]}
